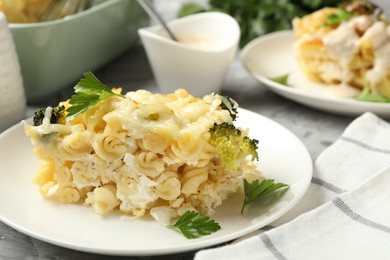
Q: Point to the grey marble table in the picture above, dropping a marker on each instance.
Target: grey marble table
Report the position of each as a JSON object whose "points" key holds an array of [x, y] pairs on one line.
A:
{"points": [[131, 71]]}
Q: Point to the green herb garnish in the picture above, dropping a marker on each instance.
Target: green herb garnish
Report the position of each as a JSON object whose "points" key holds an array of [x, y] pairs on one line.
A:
{"points": [[368, 96], [257, 190], [281, 79], [192, 225], [337, 18], [89, 92]]}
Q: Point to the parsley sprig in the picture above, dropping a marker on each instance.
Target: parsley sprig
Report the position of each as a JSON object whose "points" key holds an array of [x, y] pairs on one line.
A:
{"points": [[282, 79], [337, 18], [257, 190], [193, 225], [89, 92]]}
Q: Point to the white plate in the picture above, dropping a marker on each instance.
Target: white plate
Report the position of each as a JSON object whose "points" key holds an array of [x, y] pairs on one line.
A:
{"points": [[271, 55], [282, 157]]}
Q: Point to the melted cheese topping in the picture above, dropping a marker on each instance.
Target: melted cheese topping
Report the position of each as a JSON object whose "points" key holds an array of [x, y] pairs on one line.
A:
{"points": [[142, 153]]}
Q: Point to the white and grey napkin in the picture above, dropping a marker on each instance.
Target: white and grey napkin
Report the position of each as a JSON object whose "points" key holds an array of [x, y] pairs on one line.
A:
{"points": [[345, 213]]}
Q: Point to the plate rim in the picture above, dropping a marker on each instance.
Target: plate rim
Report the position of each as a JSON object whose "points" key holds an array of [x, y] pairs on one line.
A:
{"points": [[282, 89], [197, 244]]}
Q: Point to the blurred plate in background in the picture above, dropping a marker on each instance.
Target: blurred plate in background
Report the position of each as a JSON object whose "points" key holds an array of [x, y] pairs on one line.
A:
{"points": [[271, 56]]}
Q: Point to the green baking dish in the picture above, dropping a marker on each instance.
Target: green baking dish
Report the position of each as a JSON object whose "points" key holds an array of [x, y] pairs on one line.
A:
{"points": [[55, 54]]}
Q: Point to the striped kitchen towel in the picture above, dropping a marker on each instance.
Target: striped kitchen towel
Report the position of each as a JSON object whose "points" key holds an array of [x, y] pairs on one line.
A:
{"points": [[345, 213]]}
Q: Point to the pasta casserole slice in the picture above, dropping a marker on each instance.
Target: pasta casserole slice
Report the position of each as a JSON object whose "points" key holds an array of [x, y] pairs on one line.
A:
{"points": [[143, 153], [345, 46]]}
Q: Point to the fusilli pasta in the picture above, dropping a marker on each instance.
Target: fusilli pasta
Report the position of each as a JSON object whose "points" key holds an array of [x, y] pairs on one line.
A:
{"points": [[145, 153]]}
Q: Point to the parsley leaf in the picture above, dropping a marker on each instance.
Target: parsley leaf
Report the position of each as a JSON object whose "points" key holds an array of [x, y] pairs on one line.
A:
{"points": [[89, 92], [337, 18], [192, 225], [368, 96], [257, 190], [281, 79]]}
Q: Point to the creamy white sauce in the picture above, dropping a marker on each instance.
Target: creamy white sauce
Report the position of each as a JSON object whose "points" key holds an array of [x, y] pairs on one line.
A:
{"points": [[342, 45], [299, 81], [203, 42], [210, 42], [363, 22], [343, 91], [379, 34]]}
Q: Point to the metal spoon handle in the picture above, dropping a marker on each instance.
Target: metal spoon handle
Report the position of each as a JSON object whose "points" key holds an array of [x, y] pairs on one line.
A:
{"points": [[155, 16]]}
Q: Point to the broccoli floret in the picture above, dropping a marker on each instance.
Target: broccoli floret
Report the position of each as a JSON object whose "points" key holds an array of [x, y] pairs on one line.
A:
{"points": [[249, 147], [38, 116], [57, 113], [231, 145], [230, 105]]}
